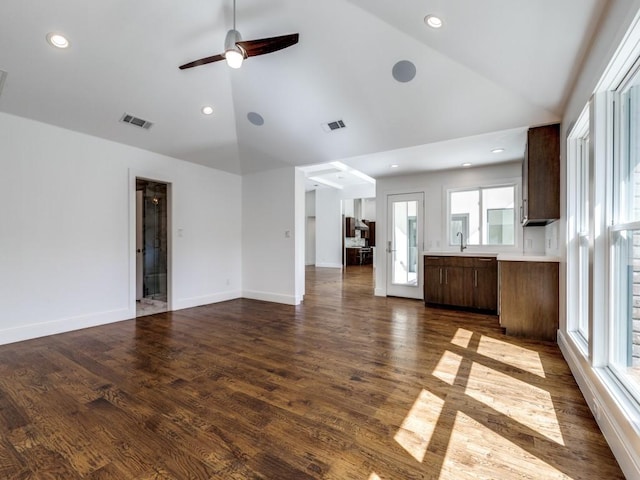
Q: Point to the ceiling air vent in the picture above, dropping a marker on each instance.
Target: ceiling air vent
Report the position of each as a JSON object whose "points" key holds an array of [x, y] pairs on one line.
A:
{"points": [[138, 122], [3, 76], [337, 125]]}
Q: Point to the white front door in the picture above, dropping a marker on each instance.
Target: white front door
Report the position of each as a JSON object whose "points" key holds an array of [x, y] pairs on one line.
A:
{"points": [[404, 234]]}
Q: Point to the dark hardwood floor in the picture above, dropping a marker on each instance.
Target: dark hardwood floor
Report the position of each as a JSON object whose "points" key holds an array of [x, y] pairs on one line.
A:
{"points": [[345, 386]]}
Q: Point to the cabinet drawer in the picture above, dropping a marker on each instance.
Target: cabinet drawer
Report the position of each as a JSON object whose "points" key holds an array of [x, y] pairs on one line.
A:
{"points": [[433, 261], [484, 262]]}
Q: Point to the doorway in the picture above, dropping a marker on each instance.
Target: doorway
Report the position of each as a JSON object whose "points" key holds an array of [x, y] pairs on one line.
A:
{"points": [[152, 246], [404, 234]]}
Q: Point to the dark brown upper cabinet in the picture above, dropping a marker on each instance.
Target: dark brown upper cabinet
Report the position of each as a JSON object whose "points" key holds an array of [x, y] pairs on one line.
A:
{"points": [[541, 176]]}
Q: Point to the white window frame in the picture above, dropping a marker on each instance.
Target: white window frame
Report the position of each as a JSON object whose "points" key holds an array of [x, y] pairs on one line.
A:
{"points": [[618, 223], [579, 241]]}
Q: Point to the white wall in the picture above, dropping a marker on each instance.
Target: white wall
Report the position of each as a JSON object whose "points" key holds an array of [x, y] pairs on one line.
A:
{"points": [[434, 185], [66, 256], [611, 414], [348, 207], [310, 203], [310, 228], [369, 209], [363, 190], [328, 228], [269, 269], [299, 234]]}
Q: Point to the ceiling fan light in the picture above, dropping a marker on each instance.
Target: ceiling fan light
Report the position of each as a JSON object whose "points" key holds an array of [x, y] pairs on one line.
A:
{"points": [[234, 58]]}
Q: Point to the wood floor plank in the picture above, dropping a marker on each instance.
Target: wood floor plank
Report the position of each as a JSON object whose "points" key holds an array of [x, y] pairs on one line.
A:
{"points": [[344, 386]]}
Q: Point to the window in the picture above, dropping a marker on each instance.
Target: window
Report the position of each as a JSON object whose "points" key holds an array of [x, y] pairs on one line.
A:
{"points": [[624, 238], [484, 216], [459, 223], [579, 248]]}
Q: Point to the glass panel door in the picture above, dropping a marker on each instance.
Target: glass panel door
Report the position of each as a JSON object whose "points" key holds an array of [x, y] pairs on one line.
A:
{"points": [[404, 218]]}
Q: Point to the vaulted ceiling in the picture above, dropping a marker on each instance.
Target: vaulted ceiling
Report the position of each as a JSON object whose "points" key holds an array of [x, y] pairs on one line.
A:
{"points": [[494, 68]]}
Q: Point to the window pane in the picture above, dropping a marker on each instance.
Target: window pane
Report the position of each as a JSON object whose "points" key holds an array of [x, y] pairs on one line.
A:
{"points": [[405, 243], [582, 227], [499, 215], [628, 205], [465, 217], [625, 295]]}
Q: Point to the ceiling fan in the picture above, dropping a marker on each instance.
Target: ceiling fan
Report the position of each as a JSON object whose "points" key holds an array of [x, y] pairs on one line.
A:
{"points": [[236, 50]]}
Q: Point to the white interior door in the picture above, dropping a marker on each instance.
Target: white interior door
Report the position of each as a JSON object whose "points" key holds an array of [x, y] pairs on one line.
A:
{"points": [[404, 244]]}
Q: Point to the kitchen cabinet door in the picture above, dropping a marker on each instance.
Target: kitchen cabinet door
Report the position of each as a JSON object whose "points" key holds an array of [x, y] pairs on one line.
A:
{"points": [[485, 288], [529, 299], [349, 227], [541, 176], [353, 256], [372, 234], [454, 287], [433, 284]]}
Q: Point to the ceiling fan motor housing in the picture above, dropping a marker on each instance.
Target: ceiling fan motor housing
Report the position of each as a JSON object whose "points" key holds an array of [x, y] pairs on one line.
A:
{"points": [[231, 42]]}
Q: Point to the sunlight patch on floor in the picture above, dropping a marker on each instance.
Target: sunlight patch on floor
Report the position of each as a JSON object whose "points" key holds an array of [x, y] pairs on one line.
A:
{"points": [[417, 428], [477, 452], [448, 366], [462, 338], [520, 401], [374, 476], [514, 355]]}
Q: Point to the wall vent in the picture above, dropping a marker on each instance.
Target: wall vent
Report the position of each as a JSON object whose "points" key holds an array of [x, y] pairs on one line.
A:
{"points": [[337, 125], [3, 77], [138, 122]]}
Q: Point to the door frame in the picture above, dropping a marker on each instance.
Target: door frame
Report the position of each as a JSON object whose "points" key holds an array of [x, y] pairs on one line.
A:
{"points": [[160, 178], [404, 291]]}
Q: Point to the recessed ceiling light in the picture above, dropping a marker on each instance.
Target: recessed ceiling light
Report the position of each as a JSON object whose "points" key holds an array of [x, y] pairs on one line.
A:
{"points": [[57, 40], [395, 165], [207, 110], [466, 165], [433, 21], [497, 150]]}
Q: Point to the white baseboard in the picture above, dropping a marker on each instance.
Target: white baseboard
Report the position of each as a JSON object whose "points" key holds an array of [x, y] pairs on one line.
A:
{"points": [[205, 300], [271, 297], [62, 325], [329, 265], [606, 410], [380, 292]]}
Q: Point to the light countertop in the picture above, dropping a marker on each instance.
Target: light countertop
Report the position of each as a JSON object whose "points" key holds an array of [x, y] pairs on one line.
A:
{"points": [[460, 254], [501, 257], [510, 257]]}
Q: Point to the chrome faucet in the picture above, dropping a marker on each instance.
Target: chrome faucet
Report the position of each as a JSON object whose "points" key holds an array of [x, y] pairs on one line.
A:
{"points": [[462, 245]]}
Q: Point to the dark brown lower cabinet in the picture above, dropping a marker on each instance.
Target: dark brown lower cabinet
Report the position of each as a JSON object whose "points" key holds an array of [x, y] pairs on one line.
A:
{"points": [[529, 303], [485, 284], [461, 281], [432, 283]]}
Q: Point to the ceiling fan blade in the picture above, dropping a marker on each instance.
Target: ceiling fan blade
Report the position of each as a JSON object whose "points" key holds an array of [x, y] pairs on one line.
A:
{"points": [[268, 45], [202, 61]]}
